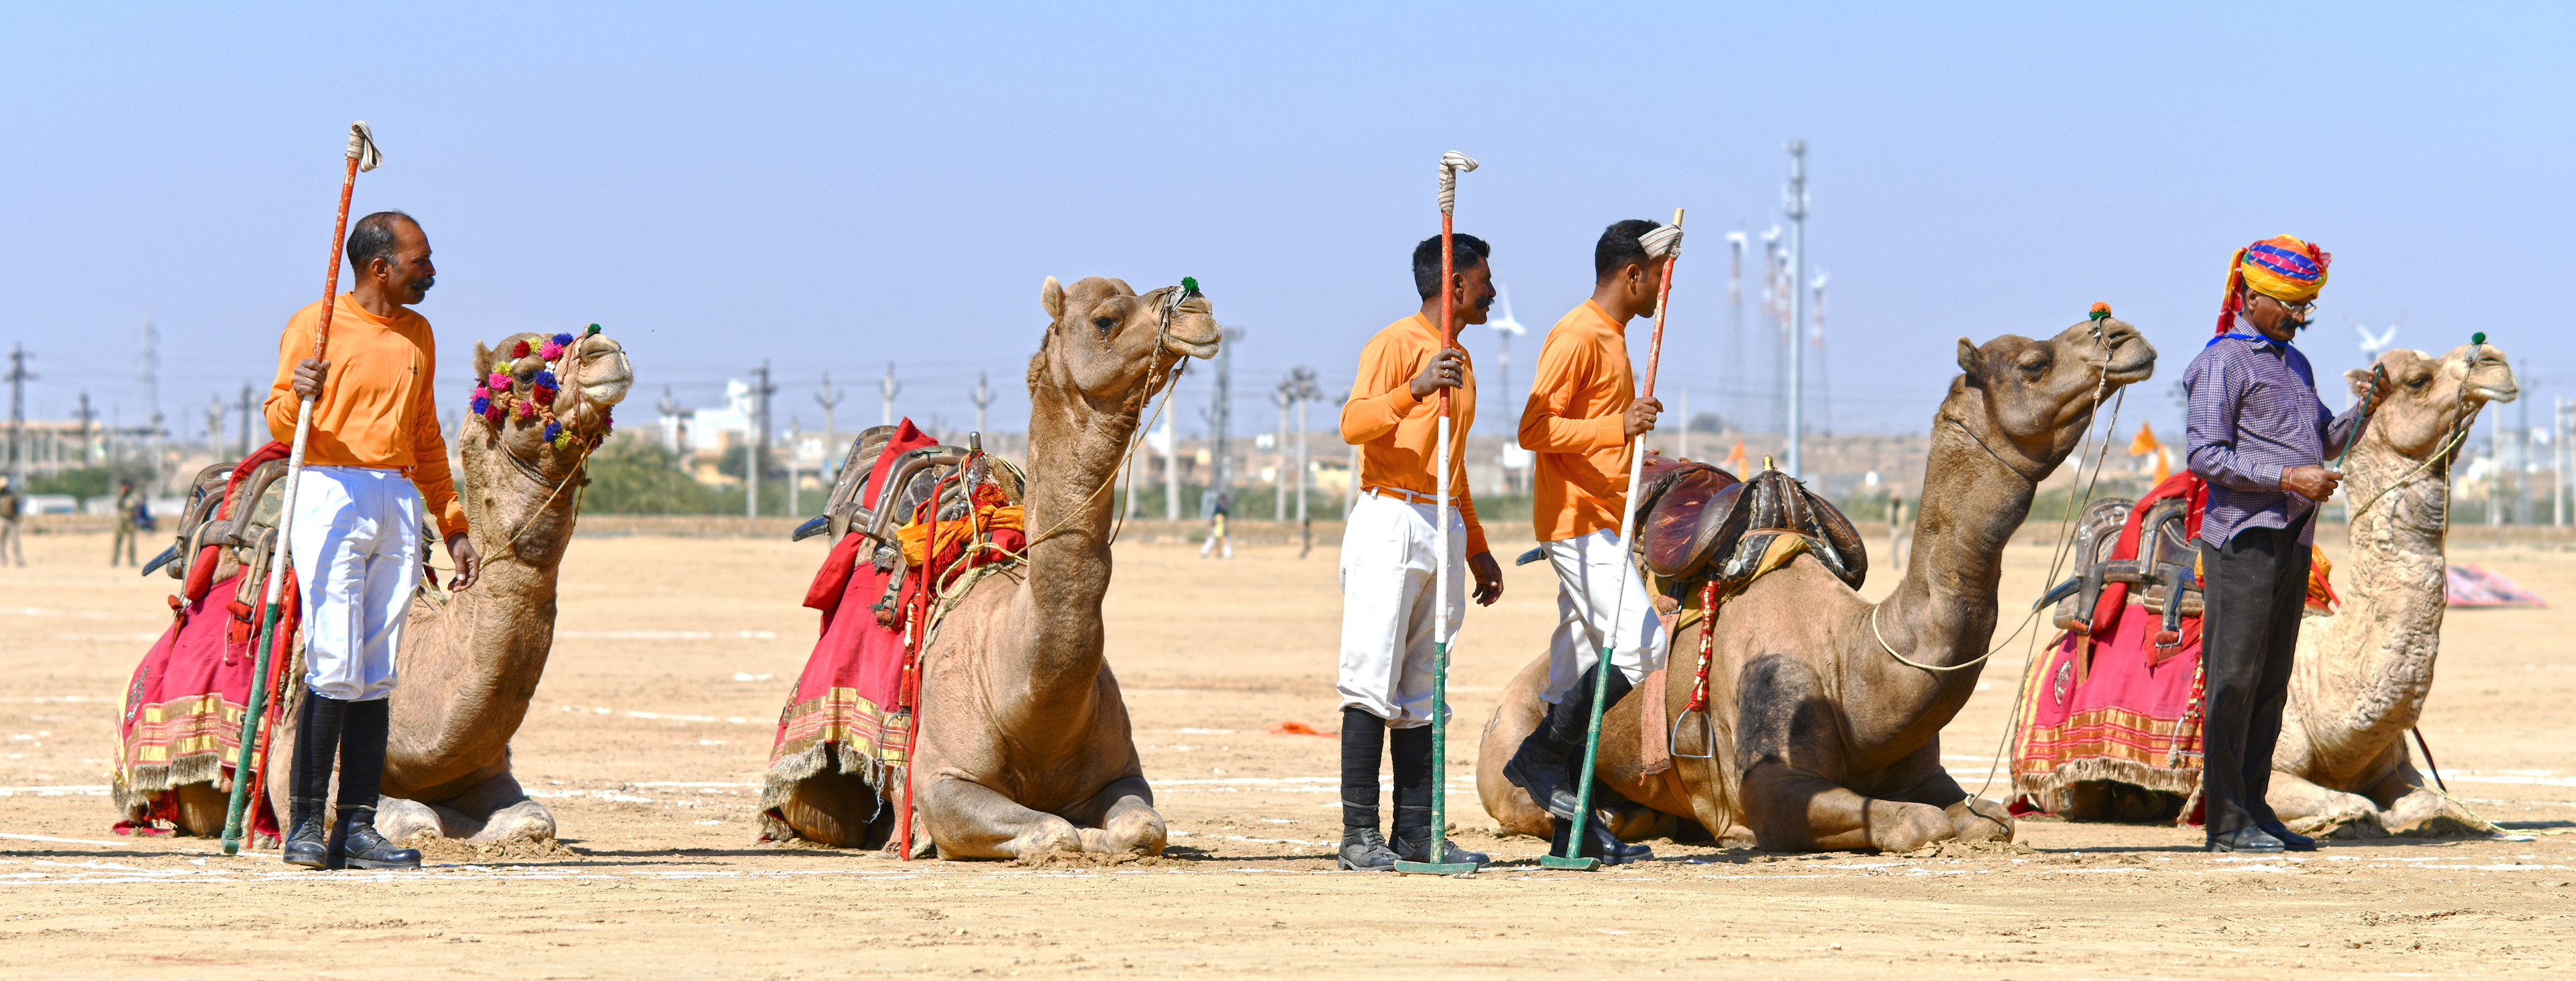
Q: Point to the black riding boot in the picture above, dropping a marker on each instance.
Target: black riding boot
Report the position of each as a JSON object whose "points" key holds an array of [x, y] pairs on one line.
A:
{"points": [[1598, 842], [1550, 761], [317, 741], [1413, 749], [362, 773], [1363, 741]]}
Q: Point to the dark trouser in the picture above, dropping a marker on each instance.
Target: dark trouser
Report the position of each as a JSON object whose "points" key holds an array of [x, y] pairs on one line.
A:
{"points": [[2256, 586]]}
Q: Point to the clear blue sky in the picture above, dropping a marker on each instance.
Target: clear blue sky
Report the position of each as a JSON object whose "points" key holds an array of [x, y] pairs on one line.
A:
{"points": [[833, 187]]}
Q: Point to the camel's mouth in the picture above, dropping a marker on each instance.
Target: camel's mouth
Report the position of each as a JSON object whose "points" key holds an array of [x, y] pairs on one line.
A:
{"points": [[1194, 332], [2131, 361], [606, 376], [2492, 393]]}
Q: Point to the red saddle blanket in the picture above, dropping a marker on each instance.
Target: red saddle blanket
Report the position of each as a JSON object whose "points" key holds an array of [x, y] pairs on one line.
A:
{"points": [[846, 706], [184, 706]]}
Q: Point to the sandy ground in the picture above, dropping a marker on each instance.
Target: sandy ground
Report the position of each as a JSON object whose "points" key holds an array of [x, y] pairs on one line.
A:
{"points": [[673, 656]]}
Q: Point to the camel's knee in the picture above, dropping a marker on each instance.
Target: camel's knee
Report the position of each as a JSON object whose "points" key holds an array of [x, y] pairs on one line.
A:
{"points": [[1978, 819], [1897, 826], [2309, 809], [1047, 833], [397, 819], [2425, 814], [526, 820], [1133, 828]]}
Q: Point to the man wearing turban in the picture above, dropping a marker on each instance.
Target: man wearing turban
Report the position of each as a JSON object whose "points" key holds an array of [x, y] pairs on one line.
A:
{"points": [[2260, 437]]}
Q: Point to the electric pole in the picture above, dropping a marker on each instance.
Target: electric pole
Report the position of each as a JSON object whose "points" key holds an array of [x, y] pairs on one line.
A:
{"points": [[151, 379], [888, 388], [829, 398], [754, 450], [1171, 469], [1824, 364], [89, 417], [246, 408], [215, 427], [1794, 206], [19, 376], [1734, 402], [1308, 392], [1219, 416], [670, 408], [1772, 313], [983, 399], [1283, 397]]}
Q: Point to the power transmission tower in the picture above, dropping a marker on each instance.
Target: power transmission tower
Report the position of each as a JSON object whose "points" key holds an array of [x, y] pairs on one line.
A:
{"points": [[983, 399], [88, 424], [889, 388], [829, 398], [1220, 415], [1776, 393], [1794, 206], [246, 408], [755, 449], [19, 376]]}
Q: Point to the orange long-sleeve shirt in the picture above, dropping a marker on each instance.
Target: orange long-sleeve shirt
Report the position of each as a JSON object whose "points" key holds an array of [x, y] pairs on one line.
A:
{"points": [[1399, 435], [377, 408], [1574, 423]]}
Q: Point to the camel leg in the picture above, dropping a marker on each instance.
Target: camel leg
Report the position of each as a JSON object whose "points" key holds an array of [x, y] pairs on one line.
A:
{"points": [[1971, 818], [202, 810], [825, 808], [1129, 824], [969, 820], [1789, 748], [2309, 809], [2414, 810]]}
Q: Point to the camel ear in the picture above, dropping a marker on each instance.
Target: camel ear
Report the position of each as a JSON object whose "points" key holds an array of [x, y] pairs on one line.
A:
{"points": [[482, 361], [2359, 379], [1971, 362], [1052, 298]]}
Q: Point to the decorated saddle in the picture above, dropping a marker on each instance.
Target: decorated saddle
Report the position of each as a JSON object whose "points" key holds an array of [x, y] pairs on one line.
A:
{"points": [[186, 702], [2115, 700], [912, 521]]}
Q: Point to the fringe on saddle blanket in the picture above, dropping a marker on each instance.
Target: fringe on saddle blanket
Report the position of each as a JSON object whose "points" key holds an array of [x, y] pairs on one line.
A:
{"points": [[844, 712]]}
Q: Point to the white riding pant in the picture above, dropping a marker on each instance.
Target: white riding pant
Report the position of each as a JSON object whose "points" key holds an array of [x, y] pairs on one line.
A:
{"points": [[1591, 573], [1390, 560], [356, 544]]}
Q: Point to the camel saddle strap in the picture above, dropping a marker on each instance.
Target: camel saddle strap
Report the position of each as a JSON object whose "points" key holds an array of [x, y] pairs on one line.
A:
{"points": [[1707, 518]]}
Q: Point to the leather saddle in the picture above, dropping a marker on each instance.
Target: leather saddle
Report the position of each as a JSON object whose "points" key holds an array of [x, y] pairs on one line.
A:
{"points": [[2167, 564], [246, 535], [1705, 524], [911, 478], [1698, 522]]}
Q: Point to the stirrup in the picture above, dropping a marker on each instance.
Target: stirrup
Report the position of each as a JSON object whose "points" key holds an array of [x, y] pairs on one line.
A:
{"points": [[1708, 736]]}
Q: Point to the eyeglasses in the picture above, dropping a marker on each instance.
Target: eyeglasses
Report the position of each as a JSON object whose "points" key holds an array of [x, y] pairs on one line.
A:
{"points": [[2302, 311]]}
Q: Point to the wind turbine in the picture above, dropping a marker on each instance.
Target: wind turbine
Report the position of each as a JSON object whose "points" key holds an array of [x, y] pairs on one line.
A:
{"points": [[2371, 347]]}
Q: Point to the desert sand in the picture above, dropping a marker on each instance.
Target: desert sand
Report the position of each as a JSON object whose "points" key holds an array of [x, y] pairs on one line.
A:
{"points": [[673, 656]]}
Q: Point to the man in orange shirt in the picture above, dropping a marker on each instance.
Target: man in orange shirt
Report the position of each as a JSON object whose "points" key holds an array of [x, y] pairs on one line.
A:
{"points": [[375, 469], [1582, 418], [1390, 555]]}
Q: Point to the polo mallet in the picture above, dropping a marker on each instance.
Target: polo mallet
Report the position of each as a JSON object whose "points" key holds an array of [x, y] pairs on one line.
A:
{"points": [[362, 155], [1451, 163], [1672, 249]]}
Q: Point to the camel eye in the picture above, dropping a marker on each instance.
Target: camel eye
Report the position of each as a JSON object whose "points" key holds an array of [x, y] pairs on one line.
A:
{"points": [[1104, 325], [2034, 364], [2418, 382]]}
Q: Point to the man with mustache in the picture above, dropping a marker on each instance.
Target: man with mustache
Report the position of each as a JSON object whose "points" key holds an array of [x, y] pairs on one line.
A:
{"points": [[2260, 436], [1390, 554], [1581, 420], [375, 465]]}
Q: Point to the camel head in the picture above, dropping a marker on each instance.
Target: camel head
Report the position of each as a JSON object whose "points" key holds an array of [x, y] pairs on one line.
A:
{"points": [[1111, 345], [2039, 395], [2427, 396], [547, 398]]}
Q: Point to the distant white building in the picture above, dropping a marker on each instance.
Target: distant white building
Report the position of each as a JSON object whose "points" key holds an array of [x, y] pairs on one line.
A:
{"points": [[712, 429]]}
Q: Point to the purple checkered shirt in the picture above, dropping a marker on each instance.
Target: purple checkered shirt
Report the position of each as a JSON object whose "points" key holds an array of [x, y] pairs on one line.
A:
{"points": [[2254, 413]]}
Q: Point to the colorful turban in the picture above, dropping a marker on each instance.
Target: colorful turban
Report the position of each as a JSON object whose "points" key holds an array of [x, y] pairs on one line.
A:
{"points": [[2283, 268]]}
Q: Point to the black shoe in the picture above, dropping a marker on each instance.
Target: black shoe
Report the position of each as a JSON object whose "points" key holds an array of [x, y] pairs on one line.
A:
{"points": [[2247, 840], [1539, 769], [1364, 850], [1599, 843], [305, 844], [362, 848], [2290, 840], [1415, 846]]}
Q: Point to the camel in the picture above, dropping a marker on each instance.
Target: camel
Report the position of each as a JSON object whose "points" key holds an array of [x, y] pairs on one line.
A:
{"points": [[470, 660], [2363, 672], [1823, 741], [1024, 745]]}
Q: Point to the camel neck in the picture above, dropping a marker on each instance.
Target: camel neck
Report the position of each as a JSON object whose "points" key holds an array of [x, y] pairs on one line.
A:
{"points": [[1076, 446], [2377, 652]]}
